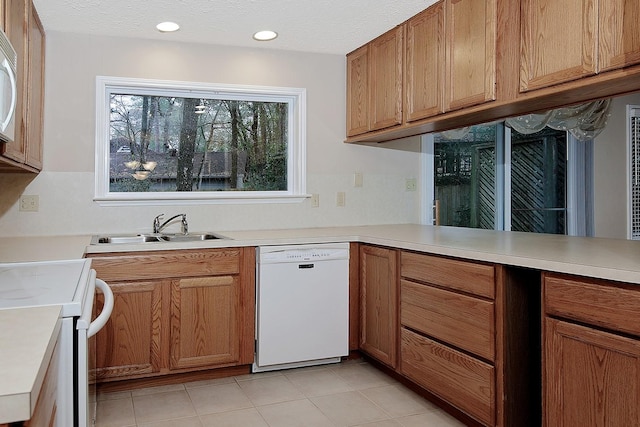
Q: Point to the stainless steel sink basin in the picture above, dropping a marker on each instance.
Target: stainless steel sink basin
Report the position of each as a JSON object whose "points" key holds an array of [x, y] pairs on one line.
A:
{"points": [[154, 238], [190, 237]]}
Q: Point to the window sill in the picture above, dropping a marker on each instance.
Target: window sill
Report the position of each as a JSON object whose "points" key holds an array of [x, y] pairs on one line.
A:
{"points": [[192, 199]]}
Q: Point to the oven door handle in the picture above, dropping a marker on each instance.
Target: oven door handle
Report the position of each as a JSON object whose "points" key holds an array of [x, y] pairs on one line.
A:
{"points": [[102, 319]]}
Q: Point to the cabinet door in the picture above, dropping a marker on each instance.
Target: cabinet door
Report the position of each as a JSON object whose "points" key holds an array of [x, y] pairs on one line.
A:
{"points": [[386, 54], [378, 303], [358, 91], [592, 378], [618, 40], [425, 63], [35, 94], [130, 343], [15, 27], [471, 49], [557, 42], [204, 321]]}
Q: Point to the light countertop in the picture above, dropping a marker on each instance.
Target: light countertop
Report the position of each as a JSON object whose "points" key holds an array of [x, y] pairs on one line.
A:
{"points": [[28, 337], [614, 259]]}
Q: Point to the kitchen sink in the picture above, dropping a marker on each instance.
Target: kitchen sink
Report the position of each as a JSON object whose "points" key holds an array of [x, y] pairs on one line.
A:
{"points": [[154, 238]]}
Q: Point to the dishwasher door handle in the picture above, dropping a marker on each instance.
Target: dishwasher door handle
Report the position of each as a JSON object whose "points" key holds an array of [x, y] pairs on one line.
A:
{"points": [[305, 266]]}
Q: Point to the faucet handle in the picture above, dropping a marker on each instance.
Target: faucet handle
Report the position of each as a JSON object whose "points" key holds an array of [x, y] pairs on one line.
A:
{"points": [[156, 223], [185, 224]]}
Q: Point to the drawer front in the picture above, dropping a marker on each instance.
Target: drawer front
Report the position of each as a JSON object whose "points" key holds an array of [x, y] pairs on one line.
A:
{"points": [[477, 279], [167, 264], [611, 306], [461, 380], [460, 320]]}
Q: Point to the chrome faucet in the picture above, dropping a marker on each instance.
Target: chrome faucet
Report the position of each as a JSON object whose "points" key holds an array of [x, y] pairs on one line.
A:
{"points": [[157, 227]]}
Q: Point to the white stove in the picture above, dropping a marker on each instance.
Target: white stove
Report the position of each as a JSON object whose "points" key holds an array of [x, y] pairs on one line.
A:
{"points": [[32, 284], [70, 284]]}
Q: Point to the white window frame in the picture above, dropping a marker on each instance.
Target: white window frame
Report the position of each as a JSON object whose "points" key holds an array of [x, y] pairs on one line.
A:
{"points": [[296, 160]]}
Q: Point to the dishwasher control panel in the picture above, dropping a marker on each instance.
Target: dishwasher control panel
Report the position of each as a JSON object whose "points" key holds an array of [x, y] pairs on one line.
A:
{"points": [[303, 253]]}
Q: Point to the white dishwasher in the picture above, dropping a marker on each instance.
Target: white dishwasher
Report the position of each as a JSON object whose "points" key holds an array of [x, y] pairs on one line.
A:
{"points": [[302, 305]]}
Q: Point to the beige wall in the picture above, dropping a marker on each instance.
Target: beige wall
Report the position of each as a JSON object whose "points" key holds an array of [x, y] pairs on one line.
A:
{"points": [[66, 184], [610, 172]]}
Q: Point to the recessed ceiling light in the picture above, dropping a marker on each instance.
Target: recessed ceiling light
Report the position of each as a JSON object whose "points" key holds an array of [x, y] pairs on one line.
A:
{"points": [[167, 27], [266, 35]]}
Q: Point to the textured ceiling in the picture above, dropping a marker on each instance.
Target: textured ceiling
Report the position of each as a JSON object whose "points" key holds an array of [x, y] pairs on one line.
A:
{"points": [[325, 26]]}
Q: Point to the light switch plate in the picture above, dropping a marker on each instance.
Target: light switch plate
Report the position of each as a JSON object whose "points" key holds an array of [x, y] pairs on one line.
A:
{"points": [[357, 179], [410, 184], [340, 199], [315, 200], [29, 203]]}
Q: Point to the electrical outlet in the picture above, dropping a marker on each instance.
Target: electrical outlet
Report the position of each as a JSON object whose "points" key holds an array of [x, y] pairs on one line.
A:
{"points": [[340, 199], [357, 179], [410, 184], [315, 200], [29, 203]]}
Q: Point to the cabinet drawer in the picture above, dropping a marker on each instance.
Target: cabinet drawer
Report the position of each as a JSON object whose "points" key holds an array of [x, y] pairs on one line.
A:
{"points": [[477, 279], [167, 264], [609, 305], [463, 381], [460, 320]]}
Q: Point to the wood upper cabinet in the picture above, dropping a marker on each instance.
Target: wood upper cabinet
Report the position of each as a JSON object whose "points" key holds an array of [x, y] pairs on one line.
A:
{"points": [[358, 91], [591, 352], [374, 84], [618, 39], [378, 303], [425, 64], [471, 52], [558, 42], [176, 311], [25, 32], [564, 41], [386, 56], [16, 29], [34, 114]]}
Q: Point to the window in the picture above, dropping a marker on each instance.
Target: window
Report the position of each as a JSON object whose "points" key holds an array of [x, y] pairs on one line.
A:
{"points": [[493, 177], [161, 141]]}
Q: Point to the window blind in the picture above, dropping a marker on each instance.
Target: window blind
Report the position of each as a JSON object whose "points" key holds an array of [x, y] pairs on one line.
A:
{"points": [[633, 137]]}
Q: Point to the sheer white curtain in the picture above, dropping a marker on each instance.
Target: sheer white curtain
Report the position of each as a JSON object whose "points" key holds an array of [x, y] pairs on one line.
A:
{"points": [[584, 121]]}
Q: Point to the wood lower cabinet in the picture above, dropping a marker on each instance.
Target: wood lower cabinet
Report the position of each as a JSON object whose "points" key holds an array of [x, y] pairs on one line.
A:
{"points": [[469, 336], [204, 321], [131, 344], [592, 377], [378, 303], [462, 380], [591, 352], [176, 311]]}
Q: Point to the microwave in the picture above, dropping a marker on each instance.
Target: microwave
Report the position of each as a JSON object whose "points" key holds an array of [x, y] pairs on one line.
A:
{"points": [[8, 89]]}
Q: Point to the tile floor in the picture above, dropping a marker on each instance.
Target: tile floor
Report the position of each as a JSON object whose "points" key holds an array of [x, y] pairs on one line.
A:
{"points": [[352, 393]]}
